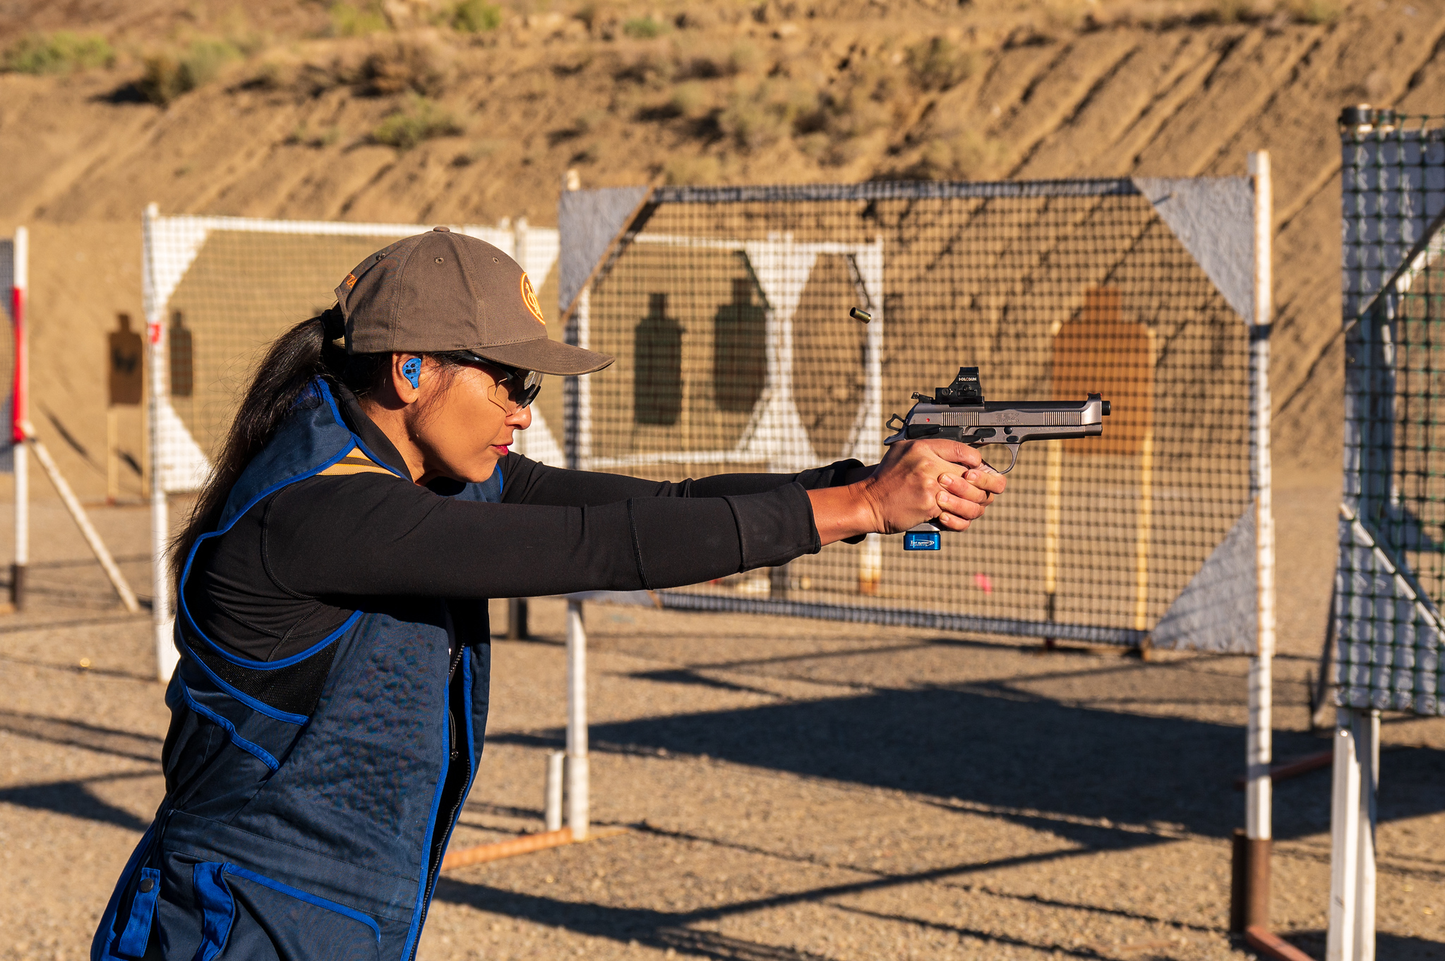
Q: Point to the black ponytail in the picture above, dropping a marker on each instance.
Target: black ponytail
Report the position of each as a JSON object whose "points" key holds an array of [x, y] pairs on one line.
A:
{"points": [[311, 349], [296, 358]]}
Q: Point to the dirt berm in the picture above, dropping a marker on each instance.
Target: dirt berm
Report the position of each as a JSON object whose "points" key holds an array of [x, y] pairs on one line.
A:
{"points": [[290, 99]]}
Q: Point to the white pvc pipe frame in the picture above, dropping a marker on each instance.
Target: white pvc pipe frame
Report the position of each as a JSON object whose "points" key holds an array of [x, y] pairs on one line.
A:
{"points": [[578, 804], [777, 393], [19, 402], [775, 435], [1258, 794], [1259, 747], [162, 619], [1356, 780], [156, 299], [1259, 739], [22, 436]]}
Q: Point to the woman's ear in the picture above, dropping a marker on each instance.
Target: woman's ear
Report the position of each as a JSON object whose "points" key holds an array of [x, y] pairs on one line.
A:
{"points": [[406, 376]]}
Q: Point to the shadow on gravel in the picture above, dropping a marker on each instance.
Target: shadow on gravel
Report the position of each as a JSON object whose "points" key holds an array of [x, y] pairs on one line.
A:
{"points": [[663, 929], [1013, 751], [655, 929], [1388, 947], [73, 798], [1146, 951], [91, 737]]}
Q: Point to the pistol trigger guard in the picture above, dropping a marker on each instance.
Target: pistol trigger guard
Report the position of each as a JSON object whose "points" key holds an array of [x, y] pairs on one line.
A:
{"points": [[1013, 450], [889, 425]]}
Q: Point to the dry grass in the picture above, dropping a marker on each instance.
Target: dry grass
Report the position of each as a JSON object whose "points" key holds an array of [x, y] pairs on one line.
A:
{"points": [[169, 75], [650, 67], [690, 99], [415, 65], [1319, 12], [1232, 11], [645, 28], [475, 16], [938, 64], [357, 20], [740, 100], [761, 114], [417, 121], [704, 169], [961, 154], [59, 52]]}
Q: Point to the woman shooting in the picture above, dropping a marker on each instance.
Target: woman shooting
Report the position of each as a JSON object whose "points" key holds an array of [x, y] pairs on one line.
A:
{"points": [[332, 587]]}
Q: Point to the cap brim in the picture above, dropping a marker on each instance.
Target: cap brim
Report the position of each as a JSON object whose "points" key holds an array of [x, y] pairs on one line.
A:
{"points": [[546, 356]]}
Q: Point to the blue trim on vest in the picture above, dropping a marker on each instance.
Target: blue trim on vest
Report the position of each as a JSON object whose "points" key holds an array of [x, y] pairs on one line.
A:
{"points": [[467, 709], [413, 932], [313, 438], [326, 395], [250, 747], [218, 908], [259, 707], [301, 895], [266, 665], [186, 573], [142, 909], [356, 438], [105, 934], [319, 388]]}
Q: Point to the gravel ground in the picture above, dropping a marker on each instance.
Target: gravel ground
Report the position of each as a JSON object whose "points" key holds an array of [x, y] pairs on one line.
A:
{"points": [[793, 790]]}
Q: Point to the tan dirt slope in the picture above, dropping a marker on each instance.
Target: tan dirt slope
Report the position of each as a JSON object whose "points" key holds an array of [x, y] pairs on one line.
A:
{"points": [[732, 92]]}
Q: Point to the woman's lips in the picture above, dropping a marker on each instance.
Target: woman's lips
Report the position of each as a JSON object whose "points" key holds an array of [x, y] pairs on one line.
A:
{"points": [[500, 448]]}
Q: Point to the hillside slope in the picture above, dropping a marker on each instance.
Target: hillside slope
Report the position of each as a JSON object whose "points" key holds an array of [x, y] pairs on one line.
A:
{"points": [[726, 92]]}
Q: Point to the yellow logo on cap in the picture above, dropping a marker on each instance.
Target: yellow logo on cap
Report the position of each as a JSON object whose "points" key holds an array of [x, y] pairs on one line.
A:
{"points": [[529, 297]]}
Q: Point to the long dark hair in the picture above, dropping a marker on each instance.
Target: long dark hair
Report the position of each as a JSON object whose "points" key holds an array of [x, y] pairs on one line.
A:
{"points": [[308, 351]]}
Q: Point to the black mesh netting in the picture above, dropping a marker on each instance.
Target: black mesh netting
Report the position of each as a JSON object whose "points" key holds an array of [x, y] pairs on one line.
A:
{"points": [[728, 312]]}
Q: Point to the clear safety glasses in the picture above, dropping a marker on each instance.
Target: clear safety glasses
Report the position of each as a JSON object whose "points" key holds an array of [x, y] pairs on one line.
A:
{"points": [[517, 387]]}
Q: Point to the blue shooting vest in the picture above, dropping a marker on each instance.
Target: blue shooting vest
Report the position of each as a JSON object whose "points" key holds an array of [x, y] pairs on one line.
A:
{"points": [[308, 837]]}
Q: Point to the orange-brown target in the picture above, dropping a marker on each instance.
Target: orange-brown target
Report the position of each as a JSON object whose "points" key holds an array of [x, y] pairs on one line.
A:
{"points": [[1100, 352]]}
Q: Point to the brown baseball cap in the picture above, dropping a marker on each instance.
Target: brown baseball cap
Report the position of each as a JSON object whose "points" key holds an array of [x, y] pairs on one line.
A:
{"points": [[442, 291]]}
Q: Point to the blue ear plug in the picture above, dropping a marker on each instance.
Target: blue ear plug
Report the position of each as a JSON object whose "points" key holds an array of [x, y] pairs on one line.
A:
{"points": [[411, 370]]}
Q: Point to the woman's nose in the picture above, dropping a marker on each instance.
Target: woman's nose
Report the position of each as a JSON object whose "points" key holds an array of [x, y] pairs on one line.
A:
{"points": [[521, 418]]}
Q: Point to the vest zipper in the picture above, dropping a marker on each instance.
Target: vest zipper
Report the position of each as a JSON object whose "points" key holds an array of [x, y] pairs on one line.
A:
{"points": [[451, 818], [430, 879], [453, 752]]}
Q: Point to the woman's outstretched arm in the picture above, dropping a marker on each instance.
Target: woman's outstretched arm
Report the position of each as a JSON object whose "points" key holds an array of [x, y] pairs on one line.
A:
{"points": [[394, 538], [528, 482]]}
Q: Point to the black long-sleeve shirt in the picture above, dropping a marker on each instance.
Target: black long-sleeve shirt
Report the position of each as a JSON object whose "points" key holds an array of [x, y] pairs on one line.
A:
{"points": [[289, 571]]}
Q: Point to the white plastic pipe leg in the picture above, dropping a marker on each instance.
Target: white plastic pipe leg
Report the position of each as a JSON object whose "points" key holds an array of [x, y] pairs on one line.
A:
{"points": [[553, 801], [577, 775]]}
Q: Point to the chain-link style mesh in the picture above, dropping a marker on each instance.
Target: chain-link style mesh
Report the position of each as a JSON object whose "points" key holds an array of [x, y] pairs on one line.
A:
{"points": [[223, 289], [1391, 573], [728, 312]]}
